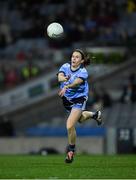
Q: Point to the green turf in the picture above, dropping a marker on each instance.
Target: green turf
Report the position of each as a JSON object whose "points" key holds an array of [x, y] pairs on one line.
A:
{"points": [[51, 167]]}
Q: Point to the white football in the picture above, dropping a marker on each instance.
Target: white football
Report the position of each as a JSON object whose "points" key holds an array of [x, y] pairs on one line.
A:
{"points": [[55, 30]]}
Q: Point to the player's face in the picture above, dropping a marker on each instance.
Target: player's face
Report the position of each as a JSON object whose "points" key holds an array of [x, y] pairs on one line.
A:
{"points": [[76, 59]]}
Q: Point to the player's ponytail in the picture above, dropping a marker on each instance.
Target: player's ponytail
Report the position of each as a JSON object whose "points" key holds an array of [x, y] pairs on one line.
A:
{"points": [[85, 56]]}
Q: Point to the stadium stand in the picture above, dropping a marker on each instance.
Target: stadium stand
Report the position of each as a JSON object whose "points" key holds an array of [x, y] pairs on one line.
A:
{"points": [[26, 53]]}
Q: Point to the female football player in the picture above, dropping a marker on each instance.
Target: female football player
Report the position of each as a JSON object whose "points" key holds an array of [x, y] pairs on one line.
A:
{"points": [[74, 93]]}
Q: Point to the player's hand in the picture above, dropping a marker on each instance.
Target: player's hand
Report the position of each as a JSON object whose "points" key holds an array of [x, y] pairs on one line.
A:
{"points": [[62, 91], [66, 78]]}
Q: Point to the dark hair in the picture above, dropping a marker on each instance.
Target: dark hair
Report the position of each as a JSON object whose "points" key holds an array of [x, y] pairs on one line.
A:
{"points": [[84, 56]]}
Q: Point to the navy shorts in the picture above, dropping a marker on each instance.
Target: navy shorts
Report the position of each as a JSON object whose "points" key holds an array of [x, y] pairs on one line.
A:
{"points": [[78, 103]]}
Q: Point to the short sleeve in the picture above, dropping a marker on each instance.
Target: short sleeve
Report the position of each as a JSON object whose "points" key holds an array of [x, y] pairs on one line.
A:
{"points": [[63, 68], [83, 74]]}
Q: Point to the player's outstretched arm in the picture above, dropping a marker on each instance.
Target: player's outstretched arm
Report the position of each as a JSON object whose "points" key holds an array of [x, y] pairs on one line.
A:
{"points": [[76, 83]]}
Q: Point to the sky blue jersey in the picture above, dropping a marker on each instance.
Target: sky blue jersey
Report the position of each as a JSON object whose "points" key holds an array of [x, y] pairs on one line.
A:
{"points": [[79, 91]]}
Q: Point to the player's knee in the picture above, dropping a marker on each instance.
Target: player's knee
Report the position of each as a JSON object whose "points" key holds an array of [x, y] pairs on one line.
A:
{"points": [[82, 118], [84, 114]]}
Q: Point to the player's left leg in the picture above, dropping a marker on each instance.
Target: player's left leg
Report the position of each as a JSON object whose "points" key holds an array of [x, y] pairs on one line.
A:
{"points": [[86, 115], [71, 121]]}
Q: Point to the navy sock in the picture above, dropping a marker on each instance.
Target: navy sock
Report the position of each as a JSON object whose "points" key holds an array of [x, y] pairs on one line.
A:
{"points": [[71, 147], [95, 116]]}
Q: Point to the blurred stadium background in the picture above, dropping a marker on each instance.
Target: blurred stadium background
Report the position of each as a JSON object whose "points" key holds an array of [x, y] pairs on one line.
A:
{"points": [[32, 119]]}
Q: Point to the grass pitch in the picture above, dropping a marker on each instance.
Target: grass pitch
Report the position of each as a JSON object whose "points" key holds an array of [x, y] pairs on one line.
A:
{"points": [[53, 167]]}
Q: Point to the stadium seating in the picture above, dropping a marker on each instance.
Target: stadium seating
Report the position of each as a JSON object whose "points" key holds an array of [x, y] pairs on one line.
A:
{"points": [[24, 45]]}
